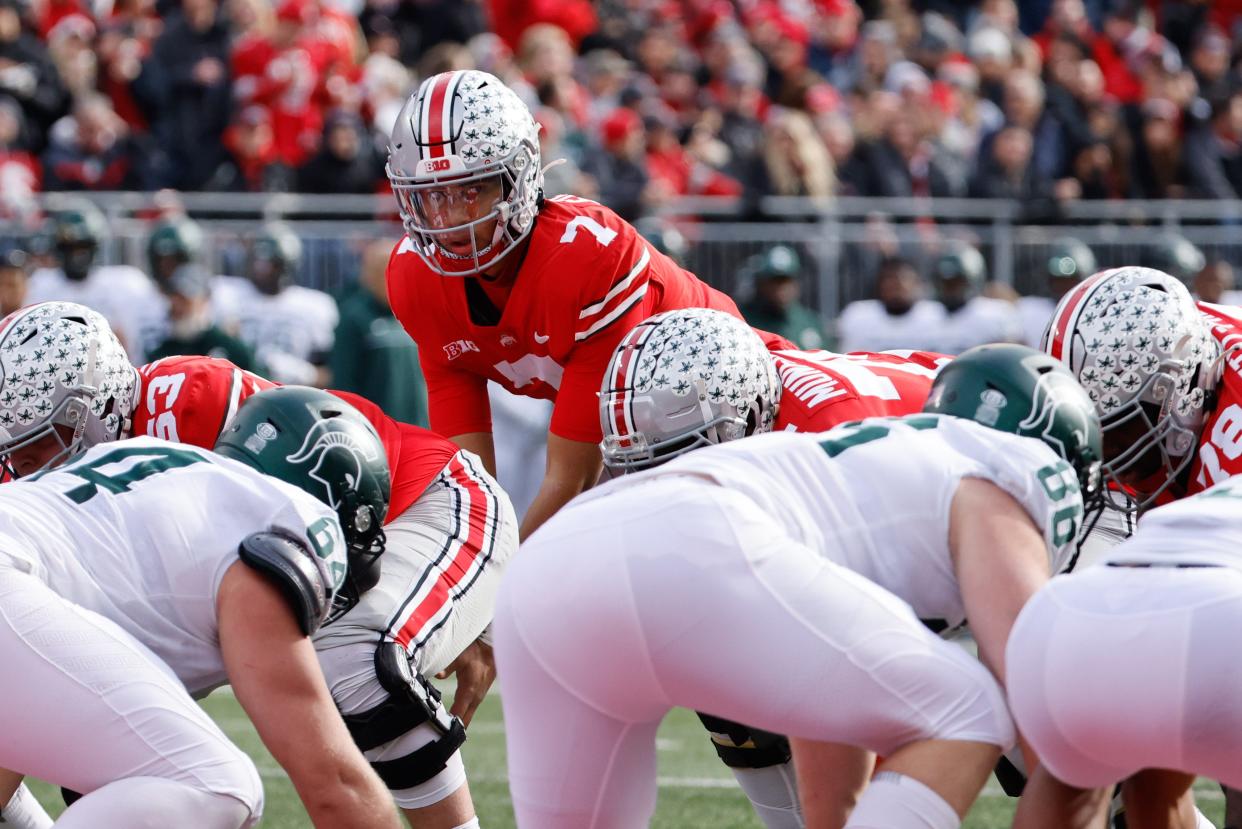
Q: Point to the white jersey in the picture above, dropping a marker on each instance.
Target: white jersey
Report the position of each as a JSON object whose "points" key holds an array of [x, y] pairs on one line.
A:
{"points": [[1203, 529], [866, 326], [874, 497], [1035, 313], [126, 297], [290, 332], [981, 320], [141, 531]]}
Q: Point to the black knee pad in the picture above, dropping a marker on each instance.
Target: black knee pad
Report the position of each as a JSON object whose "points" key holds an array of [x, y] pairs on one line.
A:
{"points": [[412, 701], [743, 747]]}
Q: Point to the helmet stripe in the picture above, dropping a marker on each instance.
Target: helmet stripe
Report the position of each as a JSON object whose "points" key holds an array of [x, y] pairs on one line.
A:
{"points": [[1066, 316], [450, 103], [434, 114], [622, 416]]}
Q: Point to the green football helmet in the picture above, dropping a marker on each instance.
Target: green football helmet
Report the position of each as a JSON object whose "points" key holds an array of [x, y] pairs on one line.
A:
{"points": [[959, 274], [1175, 255], [274, 258], [1070, 258], [323, 445], [173, 243], [76, 237], [1026, 392], [776, 261]]}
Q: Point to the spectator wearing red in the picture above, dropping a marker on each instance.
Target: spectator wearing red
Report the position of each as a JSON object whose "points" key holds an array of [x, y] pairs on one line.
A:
{"points": [[252, 163], [833, 53], [125, 41], [619, 170], [675, 171], [283, 72], [52, 12], [511, 18], [1120, 47], [1067, 18]]}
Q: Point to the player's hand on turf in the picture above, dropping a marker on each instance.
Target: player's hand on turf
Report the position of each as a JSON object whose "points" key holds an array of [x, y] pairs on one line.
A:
{"points": [[476, 671]]}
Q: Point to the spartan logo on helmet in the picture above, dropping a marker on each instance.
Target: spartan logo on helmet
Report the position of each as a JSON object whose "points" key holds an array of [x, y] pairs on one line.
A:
{"points": [[1055, 398], [321, 444]]}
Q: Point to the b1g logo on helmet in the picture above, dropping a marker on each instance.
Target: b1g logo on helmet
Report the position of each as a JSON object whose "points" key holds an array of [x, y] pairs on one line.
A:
{"points": [[321, 447], [437, 165], [1048, 405]]}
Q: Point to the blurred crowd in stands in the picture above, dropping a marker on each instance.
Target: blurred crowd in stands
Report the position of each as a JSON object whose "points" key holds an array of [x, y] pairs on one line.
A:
{"points": [[1045, 101]]}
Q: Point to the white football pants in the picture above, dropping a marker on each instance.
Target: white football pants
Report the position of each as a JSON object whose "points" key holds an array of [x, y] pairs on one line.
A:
{"points": [[1118, 669], [677, 592], [440, 573], [86, 706]]}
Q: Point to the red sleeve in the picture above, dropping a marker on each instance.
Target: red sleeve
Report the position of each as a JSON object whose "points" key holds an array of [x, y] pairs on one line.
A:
{"points": [[575, 416], [415, 455], [191, 399], [457, 402], [630, 281]]}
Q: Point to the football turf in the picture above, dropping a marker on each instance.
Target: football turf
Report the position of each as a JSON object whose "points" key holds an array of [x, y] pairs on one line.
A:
{"points": [[695, 789]]}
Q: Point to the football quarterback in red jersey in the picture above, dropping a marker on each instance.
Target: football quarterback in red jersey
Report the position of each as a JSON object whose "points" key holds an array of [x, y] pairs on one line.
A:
{"points": [[67, 385], [694, 377], [1165, 373], [496, 283]]}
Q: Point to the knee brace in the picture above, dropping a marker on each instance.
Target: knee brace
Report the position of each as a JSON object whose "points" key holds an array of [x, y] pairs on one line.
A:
{"points": [[743, 747], [412, 701]]}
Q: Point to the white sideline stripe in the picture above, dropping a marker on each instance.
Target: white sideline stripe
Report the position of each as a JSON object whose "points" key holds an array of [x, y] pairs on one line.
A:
{"points": [[271, 772]]}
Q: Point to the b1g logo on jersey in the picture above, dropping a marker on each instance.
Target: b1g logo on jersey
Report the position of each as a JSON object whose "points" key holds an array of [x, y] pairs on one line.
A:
{"points": [[459, 347]]}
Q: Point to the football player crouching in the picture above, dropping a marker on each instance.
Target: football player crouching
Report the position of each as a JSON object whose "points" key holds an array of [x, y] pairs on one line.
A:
{"points": [[749, 579], [1141, 693], [695, 377], [450, 531], [141, 574]]}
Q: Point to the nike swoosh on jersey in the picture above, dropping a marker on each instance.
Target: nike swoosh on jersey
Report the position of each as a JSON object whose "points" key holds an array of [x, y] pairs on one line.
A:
{"points": [[542, 338]]}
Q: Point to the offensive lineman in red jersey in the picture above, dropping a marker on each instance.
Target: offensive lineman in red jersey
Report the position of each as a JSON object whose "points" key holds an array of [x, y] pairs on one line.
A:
{"points": [[495, 283], [450, 530], [1165, 373], [694, 377]]}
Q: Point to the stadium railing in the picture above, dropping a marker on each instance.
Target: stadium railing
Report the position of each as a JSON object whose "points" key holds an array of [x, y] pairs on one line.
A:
{"points": [[842, 240]]}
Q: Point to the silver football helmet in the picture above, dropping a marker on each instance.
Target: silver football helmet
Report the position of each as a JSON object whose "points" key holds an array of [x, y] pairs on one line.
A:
{"points": [[681, 380], [1136, 342], [465, 152], [61, 366]]}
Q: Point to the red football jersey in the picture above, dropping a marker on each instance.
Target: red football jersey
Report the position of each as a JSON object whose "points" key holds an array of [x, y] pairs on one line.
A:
{"points": [[1220, 443], [821, 389], [192, 399], [587, 278]]}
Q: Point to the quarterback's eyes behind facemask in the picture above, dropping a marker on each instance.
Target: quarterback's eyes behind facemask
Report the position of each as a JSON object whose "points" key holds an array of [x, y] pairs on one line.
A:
{"points": [[465, 168]]}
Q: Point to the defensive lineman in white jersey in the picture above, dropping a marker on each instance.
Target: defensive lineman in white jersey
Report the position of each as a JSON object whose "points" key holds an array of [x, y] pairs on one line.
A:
{"points": [[1139, 648], [751, 579], [143, 572]]}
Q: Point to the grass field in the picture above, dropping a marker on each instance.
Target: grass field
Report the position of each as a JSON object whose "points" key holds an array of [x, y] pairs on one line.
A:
{"points": [[696, 792]]}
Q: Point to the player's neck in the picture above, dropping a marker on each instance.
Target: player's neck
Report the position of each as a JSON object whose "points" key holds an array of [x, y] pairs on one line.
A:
{"points": [[504, 273]]}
